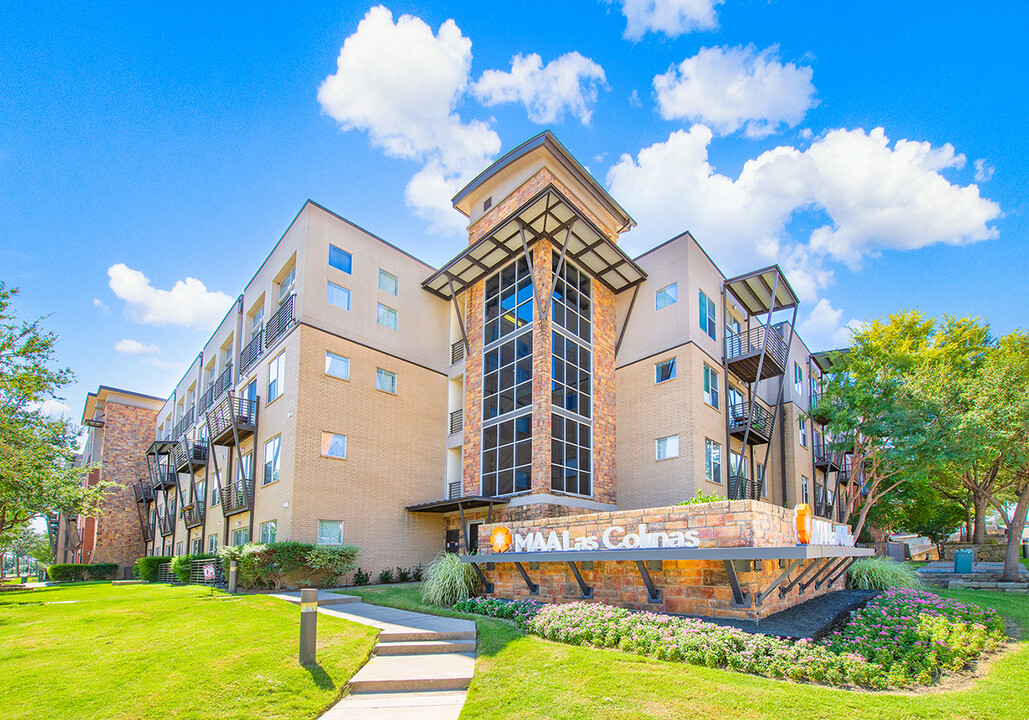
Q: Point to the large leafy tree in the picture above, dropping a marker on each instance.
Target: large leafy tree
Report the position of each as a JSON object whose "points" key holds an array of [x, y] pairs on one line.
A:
{"points": [[37, 451]]}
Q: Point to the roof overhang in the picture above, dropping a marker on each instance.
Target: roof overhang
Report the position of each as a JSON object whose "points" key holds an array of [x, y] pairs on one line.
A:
{"points": [[824, 359], [472, 502], [548, 215], [755, 291], [161, 447]]}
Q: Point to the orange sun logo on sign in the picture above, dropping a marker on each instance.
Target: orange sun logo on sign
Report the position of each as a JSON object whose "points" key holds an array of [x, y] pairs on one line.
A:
{"points": [[501, 540]]}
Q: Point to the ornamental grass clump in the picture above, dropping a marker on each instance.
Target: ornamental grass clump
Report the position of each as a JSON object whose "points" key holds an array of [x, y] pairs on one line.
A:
{"points": [[881, 573], [448, 580], [916, 636]]}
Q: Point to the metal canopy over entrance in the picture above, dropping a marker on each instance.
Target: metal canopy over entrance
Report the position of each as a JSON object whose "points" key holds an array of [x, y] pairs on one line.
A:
{"points": [[548, 215]]}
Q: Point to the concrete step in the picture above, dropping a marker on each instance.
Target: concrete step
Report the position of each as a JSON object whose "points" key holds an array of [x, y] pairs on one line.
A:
{"points": [[399, 673], [324, 598], [425, 647], [414, 635], [433, 705]]}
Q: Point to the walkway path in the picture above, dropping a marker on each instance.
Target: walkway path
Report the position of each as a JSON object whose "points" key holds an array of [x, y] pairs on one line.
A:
{"points": [[420, 668]]}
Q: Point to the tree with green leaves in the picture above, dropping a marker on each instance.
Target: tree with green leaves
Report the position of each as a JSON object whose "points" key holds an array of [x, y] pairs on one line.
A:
{"points": [[37, 451]]}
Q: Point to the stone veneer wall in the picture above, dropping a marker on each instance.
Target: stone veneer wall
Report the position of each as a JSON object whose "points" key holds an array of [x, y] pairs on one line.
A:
{"points": [[128, 431], [988, 552], [694, 587]]}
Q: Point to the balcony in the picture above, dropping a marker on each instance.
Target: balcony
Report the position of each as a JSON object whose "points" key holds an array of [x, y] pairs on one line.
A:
{"points": [[166, 522], [744, 488], [254, 349], [237, 497], [823, 509], [828, 459], [761, 425], [279, 323], [456, 421], [457, 352], [744, 351], [189, 456], [220, 385], [232, 420], [144, 493], [183, 426], [821, 408], [164, 479], [193, 514]]}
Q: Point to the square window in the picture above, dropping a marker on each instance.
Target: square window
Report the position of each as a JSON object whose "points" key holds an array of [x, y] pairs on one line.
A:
{"points": [[330, 532], [268, 531], [710, 387], [271, 460], [337, 296], [385, 380], [664, 370], [707, 316], [388, 282], [334, 445], [667, 447], [241, 536], [712, 461], [340, 259], [337, 366], [387, 316], [667, 296], [276, 370]]}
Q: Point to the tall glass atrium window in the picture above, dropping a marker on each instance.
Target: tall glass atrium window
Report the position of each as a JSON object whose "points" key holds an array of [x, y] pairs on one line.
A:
{"points": [[572, 381], [507, 381]]}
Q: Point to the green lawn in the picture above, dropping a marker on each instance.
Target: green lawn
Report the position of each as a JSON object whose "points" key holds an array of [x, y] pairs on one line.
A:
{"points": [[524, 676], [92, 650]]}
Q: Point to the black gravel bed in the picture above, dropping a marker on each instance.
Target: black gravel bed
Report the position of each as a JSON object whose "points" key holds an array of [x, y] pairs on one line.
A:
{"points": [[812, 619]]}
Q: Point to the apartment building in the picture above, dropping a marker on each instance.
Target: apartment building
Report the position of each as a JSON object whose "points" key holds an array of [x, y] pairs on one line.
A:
{"points": [[119, 428], [355, 394]]}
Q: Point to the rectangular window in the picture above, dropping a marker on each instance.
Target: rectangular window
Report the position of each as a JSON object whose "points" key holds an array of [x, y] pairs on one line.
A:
{"points": [[227, 356], [337, 366], [803, 432], [215, 498], [707, 316], [334, 445], [212, 543], [667, 447], [337, 296], [268, 531], [388, 282], [798, 379], [387, 316], [241, 536], [385, 380], [271, 460], [803, 489], [178, 548], [287, 283], [571, 454], [276, 371], [762, 480], [710, 387], [195, 546], [330, 532], [245, 468], [712, 461], [666, 296], [256, 321], [340, 259], [664, 370]]}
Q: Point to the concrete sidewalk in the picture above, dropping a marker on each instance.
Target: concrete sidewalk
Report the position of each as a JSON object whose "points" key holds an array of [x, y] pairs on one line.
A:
{"points": [[420, 668]]}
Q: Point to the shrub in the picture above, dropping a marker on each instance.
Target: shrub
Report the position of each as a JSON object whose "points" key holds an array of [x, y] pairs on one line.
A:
{"points": [[67, 572], [180, 564], [361, 577], [102, 571], [880, 573], [385, 577], [251, 571], [448, 580], [403, 575], [702, 497], [146, 567], [417, 572], [333, 560], [269, 565]]}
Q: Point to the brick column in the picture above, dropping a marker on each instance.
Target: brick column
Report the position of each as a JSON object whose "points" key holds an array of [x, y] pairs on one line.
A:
{"points": [[604, 328], [542, 370], [472, 449]]}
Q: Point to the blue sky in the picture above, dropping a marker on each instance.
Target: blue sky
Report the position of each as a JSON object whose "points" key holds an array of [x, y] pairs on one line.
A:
{"points": [[877, 151]]}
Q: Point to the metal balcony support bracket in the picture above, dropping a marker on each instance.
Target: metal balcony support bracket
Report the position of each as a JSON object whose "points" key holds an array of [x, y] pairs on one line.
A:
{"points": [[831, 572], [587, 591], [532, 270], [557, 271], [534, 589], [653, 594], [842, 571], [818, 573], [486, 584], [778, 581], [784, 591], [739, 598], [628, 314], [457, 309]]}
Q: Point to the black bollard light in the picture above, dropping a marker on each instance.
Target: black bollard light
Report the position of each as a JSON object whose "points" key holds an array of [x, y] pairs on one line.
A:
{"points": [[308, 626]]}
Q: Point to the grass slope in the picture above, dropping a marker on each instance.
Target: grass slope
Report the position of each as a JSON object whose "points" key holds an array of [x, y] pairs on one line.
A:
{"points": [[518, 675], [92, 650]]}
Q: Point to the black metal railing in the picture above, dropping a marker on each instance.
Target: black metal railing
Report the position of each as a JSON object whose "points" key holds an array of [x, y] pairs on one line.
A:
{"points": [[144, 493], [193, 514], [233, 411], [457, 352], [205, 400], [237, 496], [189, 454], [183, 426], [744, 488], [825, 456], [763, 421], [752, 341], [280, 322], [164, 478], [166, 521], [823, 508], [224, 381], [456, 421], [253, 350]]}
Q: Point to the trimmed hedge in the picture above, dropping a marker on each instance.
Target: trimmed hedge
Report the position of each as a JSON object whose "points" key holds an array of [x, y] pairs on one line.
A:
{"points": [[288, 563], [76, 572], [146, 567]]}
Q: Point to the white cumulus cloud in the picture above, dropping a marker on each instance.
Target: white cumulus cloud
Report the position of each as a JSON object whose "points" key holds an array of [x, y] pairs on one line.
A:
{"points": [[732, 88], [570, 82], [51, 406], [97, 303], [824, 329], [983, 170], [135, 347], [670, 17], [401, 84], [874, 195], [189, 303]]}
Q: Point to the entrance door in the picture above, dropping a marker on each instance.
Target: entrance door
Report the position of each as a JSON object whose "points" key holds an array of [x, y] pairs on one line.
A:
{"points": [[453, 541]]}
